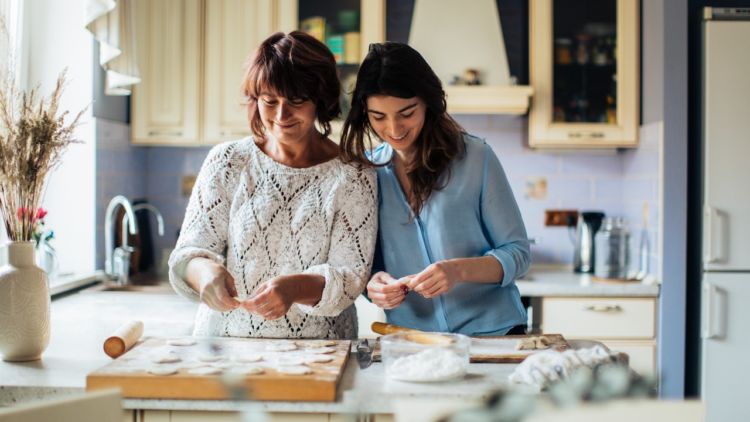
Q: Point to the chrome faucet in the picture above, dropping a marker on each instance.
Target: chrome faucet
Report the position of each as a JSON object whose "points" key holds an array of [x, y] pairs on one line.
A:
{"points": [[121, 258], [109, 242]]}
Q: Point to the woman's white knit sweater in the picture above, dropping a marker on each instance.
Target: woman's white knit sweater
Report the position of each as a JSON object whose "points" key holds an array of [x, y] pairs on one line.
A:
{"points": [[262, 219]]}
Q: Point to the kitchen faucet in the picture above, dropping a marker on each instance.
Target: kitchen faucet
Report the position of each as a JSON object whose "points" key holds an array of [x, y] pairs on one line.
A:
{"points": [[109, 248], [122, 253]]}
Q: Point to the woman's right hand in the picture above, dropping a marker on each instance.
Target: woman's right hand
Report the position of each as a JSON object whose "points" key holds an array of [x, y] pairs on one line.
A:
{"points": [[214, 284], [385, 291]]}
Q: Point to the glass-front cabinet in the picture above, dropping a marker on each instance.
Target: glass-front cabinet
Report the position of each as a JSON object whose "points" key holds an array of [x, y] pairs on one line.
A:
{"points": [[584, 67]]}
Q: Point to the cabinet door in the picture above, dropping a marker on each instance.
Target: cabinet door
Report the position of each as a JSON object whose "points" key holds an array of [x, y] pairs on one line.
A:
{"points": [[600, 318], [234, 28], [584, 72], [165, 103]]}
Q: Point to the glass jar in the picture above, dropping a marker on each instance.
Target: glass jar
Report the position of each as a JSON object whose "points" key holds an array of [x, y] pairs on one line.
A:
{"points": [[612, 249]]}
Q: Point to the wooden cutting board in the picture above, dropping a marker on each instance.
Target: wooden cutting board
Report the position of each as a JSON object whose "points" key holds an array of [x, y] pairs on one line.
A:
{"points": [[130, 372], [501, 349]]}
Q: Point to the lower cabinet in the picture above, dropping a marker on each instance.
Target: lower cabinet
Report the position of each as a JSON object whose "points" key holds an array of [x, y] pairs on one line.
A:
{"points": [[623, 324]]}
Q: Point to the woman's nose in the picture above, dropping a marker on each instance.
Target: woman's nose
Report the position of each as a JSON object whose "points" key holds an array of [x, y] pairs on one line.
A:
{"points": [[283, 111], [394, 127]]}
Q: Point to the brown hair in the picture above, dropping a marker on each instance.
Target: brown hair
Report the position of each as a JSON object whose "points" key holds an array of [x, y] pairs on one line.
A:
{"points": [[397, 70], [293, 65]]}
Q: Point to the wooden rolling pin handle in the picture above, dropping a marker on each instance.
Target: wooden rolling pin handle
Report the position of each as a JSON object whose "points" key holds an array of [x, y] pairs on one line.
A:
{"points": [[123, 339], [385, 328]]}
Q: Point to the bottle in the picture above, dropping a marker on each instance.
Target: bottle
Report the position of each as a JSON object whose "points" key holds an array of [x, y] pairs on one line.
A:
{"points": [[612, 244]]}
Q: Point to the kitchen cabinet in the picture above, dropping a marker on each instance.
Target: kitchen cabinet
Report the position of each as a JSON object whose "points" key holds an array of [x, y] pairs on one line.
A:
{"points": [[204, 416], [584, 69], [191, 56], [623, 324]]}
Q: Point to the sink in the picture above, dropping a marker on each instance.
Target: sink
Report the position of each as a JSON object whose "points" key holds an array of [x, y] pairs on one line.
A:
{"points": [[160, 288]]}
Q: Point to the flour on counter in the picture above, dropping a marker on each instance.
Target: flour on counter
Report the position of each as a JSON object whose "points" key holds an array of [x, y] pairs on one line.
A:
{"points": [[428, 365]]}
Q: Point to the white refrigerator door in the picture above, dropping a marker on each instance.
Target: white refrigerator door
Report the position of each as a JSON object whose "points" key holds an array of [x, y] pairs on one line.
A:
{"points": [[726, 204], [726, 342]]}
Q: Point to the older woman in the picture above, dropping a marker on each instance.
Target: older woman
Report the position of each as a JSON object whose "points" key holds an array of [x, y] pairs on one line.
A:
{"points": [[279, 233]]}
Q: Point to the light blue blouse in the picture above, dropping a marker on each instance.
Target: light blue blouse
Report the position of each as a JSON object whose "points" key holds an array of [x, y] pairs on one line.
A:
{"points": [[474, 215]]}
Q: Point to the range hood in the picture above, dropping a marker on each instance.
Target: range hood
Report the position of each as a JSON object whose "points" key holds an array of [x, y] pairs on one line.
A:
{"points": [[454, 36]]}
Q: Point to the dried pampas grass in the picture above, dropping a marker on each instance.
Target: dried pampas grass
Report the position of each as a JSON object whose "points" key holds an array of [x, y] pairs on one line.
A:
{"points": [[33, 138]]}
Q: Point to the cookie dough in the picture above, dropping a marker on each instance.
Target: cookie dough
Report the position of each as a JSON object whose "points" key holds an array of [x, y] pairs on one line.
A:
{"points": [[533, 343], [316, 343], [318, 358], [293, 370], [209, 358], [205, 370], [248, 370], [161, 370], [249, 358], [165, 358], [281, 347], [322, 350], [181, 342]]}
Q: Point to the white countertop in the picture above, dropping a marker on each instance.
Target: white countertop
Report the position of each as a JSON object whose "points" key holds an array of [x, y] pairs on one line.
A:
{"points": [[558, 281]]}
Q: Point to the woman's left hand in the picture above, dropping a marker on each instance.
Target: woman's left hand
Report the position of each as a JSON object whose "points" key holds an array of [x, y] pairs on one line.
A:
{"points": [[435, 280], [271, 300]]}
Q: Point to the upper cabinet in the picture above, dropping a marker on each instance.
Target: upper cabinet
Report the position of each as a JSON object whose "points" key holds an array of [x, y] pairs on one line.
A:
{"points": [[584, 67], [191, 55]]}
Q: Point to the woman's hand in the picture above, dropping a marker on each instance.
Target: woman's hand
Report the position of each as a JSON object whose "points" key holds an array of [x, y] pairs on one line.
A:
{"points": [[385, 292], [436, 279], [214, 284], [272, 299]]}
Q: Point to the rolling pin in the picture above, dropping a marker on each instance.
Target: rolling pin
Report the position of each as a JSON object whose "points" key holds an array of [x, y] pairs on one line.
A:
{"points": [[416, 336], [123, 339]]}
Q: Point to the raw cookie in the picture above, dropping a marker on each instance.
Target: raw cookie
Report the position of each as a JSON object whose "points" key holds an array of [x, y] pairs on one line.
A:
{"points": [[318, 358], [293, 370], [532, 343], [165, 358], [161, 370], [250, 357], [290, 360], [209, 358], [281, 347], [205, 370], [316, 343], [248, 370], [322, 350], [181, 342]]}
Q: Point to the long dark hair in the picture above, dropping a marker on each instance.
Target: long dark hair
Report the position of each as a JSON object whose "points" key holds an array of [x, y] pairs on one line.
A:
{"points": [[397, 70], [295, 65]]}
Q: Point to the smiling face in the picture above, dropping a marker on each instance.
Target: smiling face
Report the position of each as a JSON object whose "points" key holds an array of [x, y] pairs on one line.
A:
{"points": [[397, 121], [285, 119]]}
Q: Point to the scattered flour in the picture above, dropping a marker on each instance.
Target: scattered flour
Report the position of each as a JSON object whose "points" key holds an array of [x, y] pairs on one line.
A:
{"points": [[428, 365]]}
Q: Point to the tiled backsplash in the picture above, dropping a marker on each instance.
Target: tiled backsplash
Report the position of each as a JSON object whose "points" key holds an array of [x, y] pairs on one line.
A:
{"points": [[616, 182]]}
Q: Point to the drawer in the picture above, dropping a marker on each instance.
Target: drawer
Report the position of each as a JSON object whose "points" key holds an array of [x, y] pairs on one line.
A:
{"points": [[600, 318], [642, 354]]}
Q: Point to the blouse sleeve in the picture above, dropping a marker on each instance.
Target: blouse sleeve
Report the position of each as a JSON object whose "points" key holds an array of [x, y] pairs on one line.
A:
{"points": [[502, 220], [204, 230], [352, 244]]}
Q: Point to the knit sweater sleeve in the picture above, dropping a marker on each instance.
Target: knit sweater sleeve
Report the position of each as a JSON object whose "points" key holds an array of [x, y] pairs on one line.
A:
{"points": [[352, 244], [204, 230]]}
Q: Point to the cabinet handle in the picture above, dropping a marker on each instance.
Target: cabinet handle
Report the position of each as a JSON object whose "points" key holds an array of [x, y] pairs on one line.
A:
{"points": [[713, 321], [165, 133], [603, 308], [713, 248], [587, 135], [235, 133]]}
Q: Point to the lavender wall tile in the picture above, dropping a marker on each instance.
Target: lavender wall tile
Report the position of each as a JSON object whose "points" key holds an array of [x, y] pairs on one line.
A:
{"points": [[587, 163]]}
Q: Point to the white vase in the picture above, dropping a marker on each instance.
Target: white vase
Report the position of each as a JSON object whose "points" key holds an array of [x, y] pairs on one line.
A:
{"points": [[24, 304]]}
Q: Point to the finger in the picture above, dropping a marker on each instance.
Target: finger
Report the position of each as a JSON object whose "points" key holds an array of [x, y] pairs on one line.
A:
{"points": [[229, 283], [385, 278], [433, 290], [425, 284]]}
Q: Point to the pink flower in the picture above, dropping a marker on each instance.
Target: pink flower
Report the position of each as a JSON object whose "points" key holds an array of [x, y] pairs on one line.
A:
{"points": [[22, 211], [40, 213]]}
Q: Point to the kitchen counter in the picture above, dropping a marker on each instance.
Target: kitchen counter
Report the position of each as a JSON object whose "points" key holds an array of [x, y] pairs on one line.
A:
{"points": [[559, 282], [81, 321]]}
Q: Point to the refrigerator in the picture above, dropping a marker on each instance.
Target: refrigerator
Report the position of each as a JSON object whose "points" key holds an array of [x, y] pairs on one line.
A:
{"points": [[725, 296]]}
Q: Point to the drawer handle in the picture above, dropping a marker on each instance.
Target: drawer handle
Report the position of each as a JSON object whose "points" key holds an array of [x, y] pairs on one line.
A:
{"points": [[165, 133], [603, 308], [586, 135]]}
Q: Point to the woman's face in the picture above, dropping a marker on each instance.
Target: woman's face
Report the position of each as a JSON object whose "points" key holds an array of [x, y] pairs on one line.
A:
{"points": [[397, 121], [286, 119]]}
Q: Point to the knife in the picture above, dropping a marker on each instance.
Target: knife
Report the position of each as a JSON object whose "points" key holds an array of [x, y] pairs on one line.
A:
{"points": [[364, 353]]}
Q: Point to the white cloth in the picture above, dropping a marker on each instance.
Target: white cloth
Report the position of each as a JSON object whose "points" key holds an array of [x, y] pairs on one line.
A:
{"points": [[262, 219], [112, 24], [541, 368]]}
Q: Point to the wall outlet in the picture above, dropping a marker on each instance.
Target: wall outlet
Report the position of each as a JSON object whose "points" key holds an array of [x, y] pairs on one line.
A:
{"points": [[187, 184], [560, 217]]}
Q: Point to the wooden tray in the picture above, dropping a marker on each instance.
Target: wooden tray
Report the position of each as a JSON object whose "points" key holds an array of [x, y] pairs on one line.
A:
{"points": [[130, 373], [500, 349]]}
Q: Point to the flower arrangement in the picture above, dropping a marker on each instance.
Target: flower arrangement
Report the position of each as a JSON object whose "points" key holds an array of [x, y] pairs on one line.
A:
{"points": [[33, 137]]}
